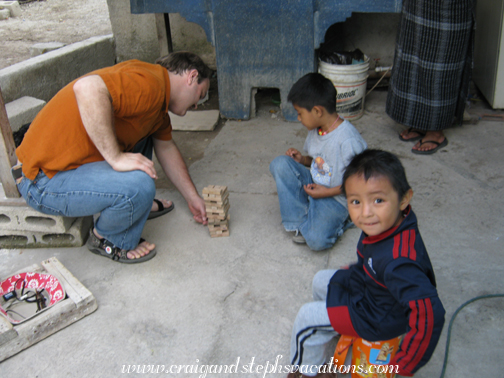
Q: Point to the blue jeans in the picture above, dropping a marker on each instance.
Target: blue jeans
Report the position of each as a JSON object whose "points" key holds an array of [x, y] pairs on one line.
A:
{"points": [[123, 199], [320, 221]]}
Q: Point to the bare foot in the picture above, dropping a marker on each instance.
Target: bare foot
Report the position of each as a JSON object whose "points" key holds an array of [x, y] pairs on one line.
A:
{"points": [[412, 134], [424, 145], [165, 203], [142, 249]]}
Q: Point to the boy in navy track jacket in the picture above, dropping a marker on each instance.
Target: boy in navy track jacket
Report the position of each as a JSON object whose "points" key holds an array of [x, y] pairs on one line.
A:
{"points": [[390, 291]]}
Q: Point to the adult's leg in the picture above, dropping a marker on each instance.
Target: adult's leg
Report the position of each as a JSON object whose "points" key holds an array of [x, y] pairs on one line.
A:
{"points": [[290, 176], [123, 199], [324, 223], [146, 147]]}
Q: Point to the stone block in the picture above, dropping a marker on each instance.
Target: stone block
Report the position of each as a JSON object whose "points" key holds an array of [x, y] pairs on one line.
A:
{"points": [[13, 7], [44, 75], [42, 48], [4, 14], [204, 120], [23, 110], [75, 236], [25, 218]]}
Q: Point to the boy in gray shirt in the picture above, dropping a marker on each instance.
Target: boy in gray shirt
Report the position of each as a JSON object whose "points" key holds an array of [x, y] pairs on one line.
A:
{"points": [[311, 201]]}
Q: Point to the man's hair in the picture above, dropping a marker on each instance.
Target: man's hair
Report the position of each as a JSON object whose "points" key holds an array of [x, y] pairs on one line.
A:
{"points": [[378, 163], [182, 61], [311, 90]]}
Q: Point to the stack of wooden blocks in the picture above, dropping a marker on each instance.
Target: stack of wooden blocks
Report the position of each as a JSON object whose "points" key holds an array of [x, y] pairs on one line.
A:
{"points": [[217, 207]]}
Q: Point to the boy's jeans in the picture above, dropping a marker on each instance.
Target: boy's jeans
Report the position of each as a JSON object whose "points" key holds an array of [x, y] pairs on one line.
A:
{"points": [[123, 199], [320, 221]]}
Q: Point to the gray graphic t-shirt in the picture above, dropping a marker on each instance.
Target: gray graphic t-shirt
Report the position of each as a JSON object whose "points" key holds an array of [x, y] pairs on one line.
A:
{"points": [[331, 154]]}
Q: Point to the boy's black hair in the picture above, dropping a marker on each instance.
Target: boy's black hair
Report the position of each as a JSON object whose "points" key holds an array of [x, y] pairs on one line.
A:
{"points": [[311, 90], [376, 163]]}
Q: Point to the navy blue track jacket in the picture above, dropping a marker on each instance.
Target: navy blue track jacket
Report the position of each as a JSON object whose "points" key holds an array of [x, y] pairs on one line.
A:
{"points": [[390, 291]]}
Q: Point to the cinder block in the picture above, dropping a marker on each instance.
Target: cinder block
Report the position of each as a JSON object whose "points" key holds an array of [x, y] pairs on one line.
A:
{"points": [[42, 48], [75, 236], [24, 218], [12, 6], [4, 14], [23, 110]]}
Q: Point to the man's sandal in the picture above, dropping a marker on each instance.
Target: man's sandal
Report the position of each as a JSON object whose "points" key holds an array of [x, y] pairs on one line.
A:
{"points": [[161, 209], [420, 135], [105, 248]]}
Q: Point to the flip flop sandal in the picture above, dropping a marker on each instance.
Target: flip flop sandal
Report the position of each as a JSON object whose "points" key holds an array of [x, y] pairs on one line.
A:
{"points": [[420, 136], [444, 143], [105, 248], [161, 209]]}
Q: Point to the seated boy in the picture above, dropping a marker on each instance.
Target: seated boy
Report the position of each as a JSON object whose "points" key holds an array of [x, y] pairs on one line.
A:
{"points": [[390, 291], [311, 203]]}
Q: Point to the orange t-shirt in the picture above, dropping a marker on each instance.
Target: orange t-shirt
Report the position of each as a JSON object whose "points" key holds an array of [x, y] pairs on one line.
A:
{"points": [[57, 140]]}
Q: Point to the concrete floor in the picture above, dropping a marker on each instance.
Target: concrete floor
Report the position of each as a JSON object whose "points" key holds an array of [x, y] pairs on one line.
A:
{"points": [[204, 301]]}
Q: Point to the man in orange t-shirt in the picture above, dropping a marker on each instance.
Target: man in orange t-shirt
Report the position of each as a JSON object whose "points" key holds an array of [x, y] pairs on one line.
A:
{"points": [[89, 150]]}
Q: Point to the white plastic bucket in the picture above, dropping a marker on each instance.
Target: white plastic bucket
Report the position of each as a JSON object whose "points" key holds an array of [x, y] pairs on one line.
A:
{"points": [[350, 83]]}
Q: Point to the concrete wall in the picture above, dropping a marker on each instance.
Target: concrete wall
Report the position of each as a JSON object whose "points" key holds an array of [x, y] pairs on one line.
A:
{"points": [[135, 34], [44, 75], [373, 33], [191, 37], [144, 37]]}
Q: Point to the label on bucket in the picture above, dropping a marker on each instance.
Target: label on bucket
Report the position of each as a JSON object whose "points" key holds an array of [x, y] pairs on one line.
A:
{"points": [[350, 100], [350, 83]]}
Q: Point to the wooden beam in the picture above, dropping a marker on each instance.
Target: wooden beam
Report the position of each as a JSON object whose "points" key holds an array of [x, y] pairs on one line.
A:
{"points": [[7, 153]]}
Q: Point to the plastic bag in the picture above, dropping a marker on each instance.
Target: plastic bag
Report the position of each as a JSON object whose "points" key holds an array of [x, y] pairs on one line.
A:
{"points": [[340, 57]]}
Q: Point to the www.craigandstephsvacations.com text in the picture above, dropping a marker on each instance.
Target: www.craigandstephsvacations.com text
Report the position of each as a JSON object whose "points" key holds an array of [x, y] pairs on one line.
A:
{"points": [[252, 367]]}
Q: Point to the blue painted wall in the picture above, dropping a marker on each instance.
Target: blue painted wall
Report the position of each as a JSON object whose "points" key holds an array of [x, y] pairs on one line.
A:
{"points": [[262, 43]]}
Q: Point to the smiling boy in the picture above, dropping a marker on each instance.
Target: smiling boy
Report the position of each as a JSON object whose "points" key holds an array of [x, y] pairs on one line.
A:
{"points": [[390, 291]]}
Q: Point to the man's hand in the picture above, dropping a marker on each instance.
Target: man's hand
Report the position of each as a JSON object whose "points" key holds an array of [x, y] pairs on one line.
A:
{"points": [[295, 154], [175, 169], [197, 207], [128, 161]]}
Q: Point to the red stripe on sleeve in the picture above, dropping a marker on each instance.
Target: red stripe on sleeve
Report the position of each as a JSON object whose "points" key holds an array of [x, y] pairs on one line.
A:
{"points": [[395, 250], [417, 338], [428, 334], [412, 253], [410, 335], [405, 244]]}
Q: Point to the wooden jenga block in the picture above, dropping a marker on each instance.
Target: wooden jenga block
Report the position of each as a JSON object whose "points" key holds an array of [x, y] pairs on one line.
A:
{"points": [[221, 227], [218, 222], [215, 189], [217, 199], [218, 209], [219, 234], [218, 216]]}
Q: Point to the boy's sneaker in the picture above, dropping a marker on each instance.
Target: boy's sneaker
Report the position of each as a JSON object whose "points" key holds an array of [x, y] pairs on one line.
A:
{"points": [[298, 238]]}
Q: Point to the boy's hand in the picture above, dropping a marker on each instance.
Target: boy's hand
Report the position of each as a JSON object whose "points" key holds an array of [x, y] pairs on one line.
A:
{"points": [[316, 191], [295, 154]]}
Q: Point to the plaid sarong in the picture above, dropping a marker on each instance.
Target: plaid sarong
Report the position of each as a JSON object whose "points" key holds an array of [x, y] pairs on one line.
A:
{"points": [[432, 65]]}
